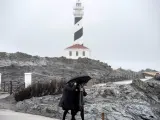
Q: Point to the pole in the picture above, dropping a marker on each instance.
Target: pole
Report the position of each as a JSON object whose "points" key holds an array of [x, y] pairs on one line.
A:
{"points": [[10, 87], [103, 116], [4, 86]]}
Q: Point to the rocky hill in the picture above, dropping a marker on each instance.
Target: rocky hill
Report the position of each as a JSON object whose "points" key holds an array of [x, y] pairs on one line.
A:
{"points": [[14, 65], [137, 101]]}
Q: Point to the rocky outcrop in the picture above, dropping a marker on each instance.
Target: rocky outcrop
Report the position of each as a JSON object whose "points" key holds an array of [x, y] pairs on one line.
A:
{"points": [[118, 102], [151, 88]]}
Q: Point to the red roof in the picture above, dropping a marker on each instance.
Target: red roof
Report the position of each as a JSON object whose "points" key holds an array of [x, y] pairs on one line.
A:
{"points": [[77, 46]]}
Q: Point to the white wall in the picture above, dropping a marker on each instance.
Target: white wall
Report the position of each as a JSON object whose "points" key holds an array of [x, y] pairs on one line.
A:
{"points": [[80, 53], [27, 79]]}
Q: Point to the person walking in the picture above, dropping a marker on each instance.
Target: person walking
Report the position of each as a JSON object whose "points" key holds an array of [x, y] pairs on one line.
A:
{"points": [[72, 99]]}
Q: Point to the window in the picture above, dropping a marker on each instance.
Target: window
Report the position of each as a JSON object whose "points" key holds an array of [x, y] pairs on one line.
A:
{"points": [[70, 53], [76, 53], [83, 53], [78, 4]]}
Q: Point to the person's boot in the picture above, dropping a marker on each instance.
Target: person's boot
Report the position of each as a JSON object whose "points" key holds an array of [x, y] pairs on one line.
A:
{"points": [[64, 114], [73, 118], [82, 113], [73, 113]]}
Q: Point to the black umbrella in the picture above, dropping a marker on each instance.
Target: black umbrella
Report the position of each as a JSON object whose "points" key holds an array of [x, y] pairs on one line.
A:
{"points": [[80, 79]]}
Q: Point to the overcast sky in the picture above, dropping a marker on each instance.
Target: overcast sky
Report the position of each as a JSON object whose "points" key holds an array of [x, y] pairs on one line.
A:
{"points": [[123, 33]]}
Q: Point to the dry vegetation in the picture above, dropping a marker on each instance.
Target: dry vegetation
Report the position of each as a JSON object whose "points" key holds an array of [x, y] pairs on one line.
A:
{"points": [[40, 89]]}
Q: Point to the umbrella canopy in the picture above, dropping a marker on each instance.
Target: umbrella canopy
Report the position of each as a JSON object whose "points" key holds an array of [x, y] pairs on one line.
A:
{"points": [[80, 79]]}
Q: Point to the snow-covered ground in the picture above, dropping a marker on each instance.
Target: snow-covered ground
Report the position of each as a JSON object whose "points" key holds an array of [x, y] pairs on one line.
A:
{"points": [[130, 81], [10, 115]]}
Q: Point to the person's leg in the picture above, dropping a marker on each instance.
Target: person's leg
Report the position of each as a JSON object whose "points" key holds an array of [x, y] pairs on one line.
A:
{"points": [[64, 114], [82, 113], [73, 113]]}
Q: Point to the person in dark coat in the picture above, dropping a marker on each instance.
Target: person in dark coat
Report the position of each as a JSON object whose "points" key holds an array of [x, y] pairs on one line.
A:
{"points": [[80, 100], [72, 99]]}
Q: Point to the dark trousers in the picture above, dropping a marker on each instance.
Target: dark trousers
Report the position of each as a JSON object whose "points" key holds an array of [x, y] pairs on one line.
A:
{"points": [[73, 113]]}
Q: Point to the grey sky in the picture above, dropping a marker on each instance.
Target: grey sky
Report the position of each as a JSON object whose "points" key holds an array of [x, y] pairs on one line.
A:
{"points": [[123, 33]]}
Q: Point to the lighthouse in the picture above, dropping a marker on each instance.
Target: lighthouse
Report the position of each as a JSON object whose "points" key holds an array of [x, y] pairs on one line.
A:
{"points": [[78, 50]]}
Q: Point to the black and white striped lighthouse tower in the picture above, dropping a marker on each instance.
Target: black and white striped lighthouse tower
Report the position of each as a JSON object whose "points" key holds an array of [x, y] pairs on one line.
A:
{"points": [[78, 14]]}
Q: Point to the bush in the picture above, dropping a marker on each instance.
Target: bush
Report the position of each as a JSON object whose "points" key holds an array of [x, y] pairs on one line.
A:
{"points": [[40, 89]]}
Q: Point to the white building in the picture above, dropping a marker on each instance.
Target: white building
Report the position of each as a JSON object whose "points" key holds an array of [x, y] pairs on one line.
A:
{"points": [[78, 50]]}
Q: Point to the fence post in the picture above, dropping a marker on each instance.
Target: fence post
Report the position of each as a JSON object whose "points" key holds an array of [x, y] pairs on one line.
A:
{"points": [[0, 81], [23, 85], [4, 86], [103, 116], [18, 86], [10, 87]]}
